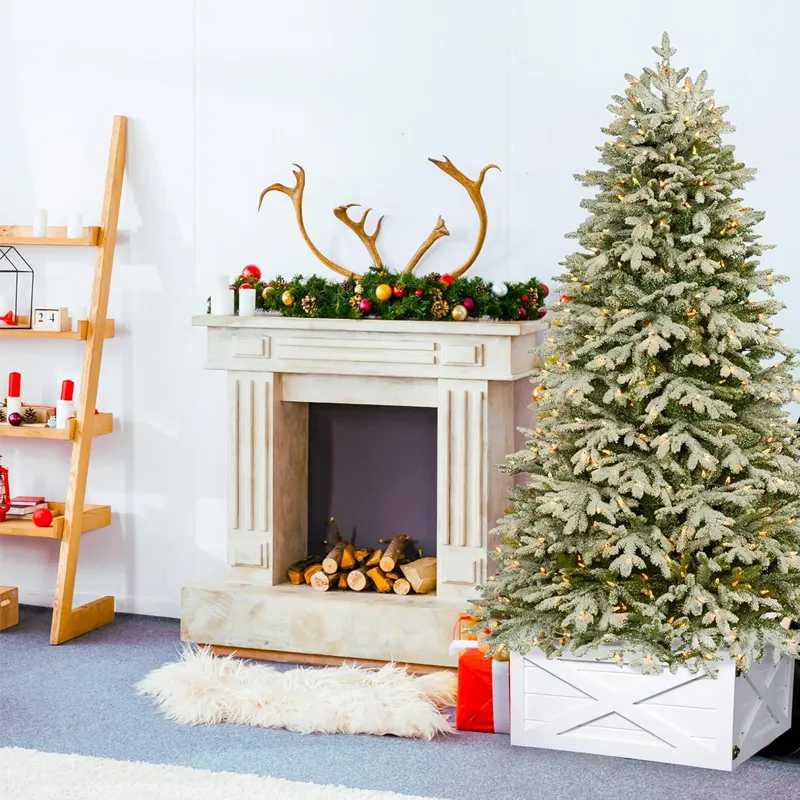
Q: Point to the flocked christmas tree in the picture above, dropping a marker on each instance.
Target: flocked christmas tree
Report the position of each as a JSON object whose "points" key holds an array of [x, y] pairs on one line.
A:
{"points": [[660, 515]]}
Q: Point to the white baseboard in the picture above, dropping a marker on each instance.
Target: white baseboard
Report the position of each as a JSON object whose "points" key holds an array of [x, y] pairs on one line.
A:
{"points": [[146, 606]]}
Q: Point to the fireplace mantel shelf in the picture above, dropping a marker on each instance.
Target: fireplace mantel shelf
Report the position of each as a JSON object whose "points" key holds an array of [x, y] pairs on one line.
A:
{"points": [[478, 327], [474, 373]]}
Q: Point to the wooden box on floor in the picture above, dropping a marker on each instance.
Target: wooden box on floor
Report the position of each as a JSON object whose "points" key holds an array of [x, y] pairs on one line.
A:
{"points": [[587, 706], [9, 607]]}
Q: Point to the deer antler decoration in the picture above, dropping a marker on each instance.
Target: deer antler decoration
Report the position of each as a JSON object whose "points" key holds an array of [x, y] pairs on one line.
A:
{"points": [[295, 194], [474, 191], [370, 241]]}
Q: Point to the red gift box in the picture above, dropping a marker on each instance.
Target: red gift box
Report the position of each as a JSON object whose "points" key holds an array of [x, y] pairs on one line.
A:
{"points": [[484, 694]]}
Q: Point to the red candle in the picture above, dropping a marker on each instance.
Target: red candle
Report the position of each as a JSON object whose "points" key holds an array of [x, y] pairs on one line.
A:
{"points": [[14, 384], [67, 388]]}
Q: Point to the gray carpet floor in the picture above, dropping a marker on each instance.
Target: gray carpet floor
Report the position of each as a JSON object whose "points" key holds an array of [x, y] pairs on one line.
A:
{"points": [[80, 698]]}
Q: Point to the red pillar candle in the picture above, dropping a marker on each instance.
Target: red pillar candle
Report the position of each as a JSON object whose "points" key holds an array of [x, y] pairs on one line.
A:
{"points": [[65, 408], [13, 402]]}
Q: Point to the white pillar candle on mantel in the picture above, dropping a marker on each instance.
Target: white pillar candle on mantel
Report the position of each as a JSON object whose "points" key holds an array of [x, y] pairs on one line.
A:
{"points": [[40, 223], [247, 300], [75, 226], [222, 297]]}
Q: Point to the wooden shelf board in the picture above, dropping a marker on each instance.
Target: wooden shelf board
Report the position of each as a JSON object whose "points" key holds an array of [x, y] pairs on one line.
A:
{"points": [[94, 517], [81, 334], [56, 236], [103, 423]]}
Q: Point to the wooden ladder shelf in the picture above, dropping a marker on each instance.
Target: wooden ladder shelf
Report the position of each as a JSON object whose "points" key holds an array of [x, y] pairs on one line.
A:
{"points": [[74, 517]]}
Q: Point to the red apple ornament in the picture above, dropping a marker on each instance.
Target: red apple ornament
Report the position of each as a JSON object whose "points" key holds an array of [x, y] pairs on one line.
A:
{"points": [[447, 280], [365, 306], [42, 517], [523, 313], [544, 290], [468, 303], [541, 312], [398, 291], [418, 292], [251, 271]]}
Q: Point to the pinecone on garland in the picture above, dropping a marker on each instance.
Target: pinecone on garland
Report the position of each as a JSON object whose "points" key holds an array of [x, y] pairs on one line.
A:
{"points": [[440, 307], [310, 305], [29, 416], [348, 286], [2, 415]]}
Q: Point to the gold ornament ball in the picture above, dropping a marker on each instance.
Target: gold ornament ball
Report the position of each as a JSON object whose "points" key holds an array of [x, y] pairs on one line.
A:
{"points": [[267, 290], [383, 292], [459, 313], [287, 298]]}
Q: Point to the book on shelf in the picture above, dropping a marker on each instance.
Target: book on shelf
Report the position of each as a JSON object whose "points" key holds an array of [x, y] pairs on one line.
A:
{"points": [[23, 507]]}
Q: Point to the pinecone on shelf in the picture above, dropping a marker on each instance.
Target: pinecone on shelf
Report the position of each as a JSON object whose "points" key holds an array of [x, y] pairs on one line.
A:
{"points": [[440, 307], [29, 416], [310, 305], [2, 415]]}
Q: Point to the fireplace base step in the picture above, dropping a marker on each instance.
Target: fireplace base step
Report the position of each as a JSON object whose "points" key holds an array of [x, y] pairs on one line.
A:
{"points": [[239, 609]]}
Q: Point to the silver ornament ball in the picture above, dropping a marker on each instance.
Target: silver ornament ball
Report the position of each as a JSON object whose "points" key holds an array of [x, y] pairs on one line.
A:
{"points": [[500, 290]]}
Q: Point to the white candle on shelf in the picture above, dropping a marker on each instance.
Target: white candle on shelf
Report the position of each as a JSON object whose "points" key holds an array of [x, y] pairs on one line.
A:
{"points": [[247, 300], [222, 297], [77, 314], [75, 226], [40, 223]]}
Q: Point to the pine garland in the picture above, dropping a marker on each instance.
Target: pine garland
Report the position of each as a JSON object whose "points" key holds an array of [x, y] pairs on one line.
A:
{"points": [[427, 297]]}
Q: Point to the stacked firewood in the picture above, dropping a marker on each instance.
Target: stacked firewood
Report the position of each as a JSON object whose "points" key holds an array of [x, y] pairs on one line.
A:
{"points": [[385, 570]]}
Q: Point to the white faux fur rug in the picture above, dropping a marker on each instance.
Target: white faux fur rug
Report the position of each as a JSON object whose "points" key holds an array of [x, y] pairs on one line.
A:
{"points": [[204, 689], [31, 775]]}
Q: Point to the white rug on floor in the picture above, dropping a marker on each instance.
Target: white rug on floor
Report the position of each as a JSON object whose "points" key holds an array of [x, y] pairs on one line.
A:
{"points": [[31, 775], [202, 689]]}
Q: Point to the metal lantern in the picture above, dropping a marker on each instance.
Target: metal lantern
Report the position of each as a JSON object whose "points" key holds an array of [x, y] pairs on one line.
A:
{"points": [[16, 289], [5, 493]]}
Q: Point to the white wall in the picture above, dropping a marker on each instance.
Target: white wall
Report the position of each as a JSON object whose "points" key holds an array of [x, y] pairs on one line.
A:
{"points": [[222, 98]]}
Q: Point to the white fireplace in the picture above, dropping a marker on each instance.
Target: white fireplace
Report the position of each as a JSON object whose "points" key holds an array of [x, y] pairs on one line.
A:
{"points": [[474, 374]]}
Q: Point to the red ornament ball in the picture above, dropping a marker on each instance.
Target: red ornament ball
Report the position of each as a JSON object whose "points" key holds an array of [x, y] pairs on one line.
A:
{"points": [[418, 292], [15, 419], [398, 291], [540, 313], [525, 298], [447, 280], [365, 306], [468, 303], [545, 290], [251, 271], [565, 298], [42, 517], [523, 313]]}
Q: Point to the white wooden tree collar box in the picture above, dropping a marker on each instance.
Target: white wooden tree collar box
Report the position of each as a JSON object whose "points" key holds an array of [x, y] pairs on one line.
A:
{"points": [[474, 373], [588, 706]]}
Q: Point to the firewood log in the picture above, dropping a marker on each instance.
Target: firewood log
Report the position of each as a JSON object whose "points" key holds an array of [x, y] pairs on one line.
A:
{"points": [[394, 551], [336, 558], [357, 579], [374, 558], [322, 582], [343, 576], [362, 554], [393, 575], [314, 568], [421, 574], [348, 557], [401, 586], [296, 572], [382, 583]]}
